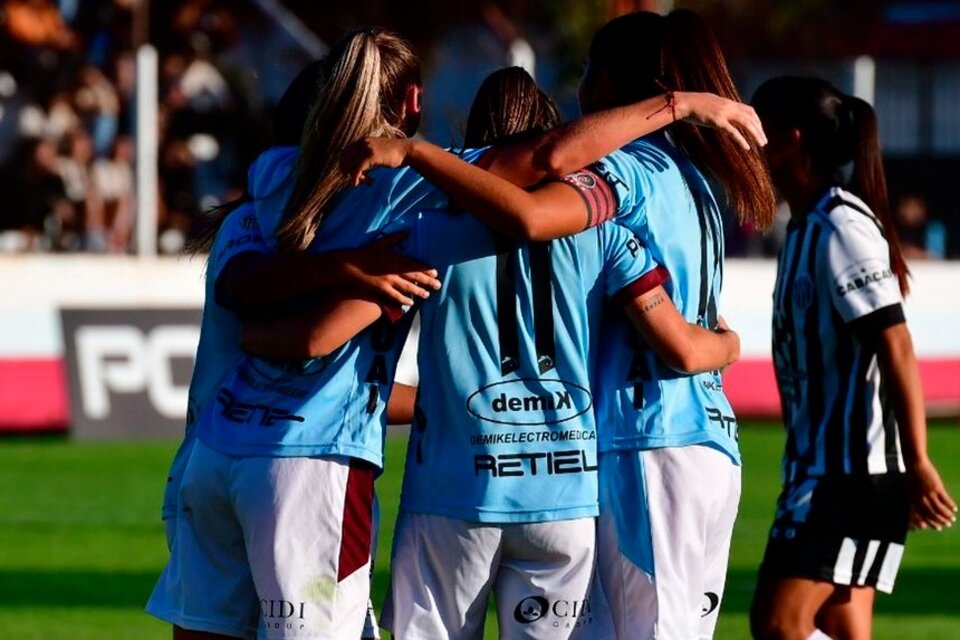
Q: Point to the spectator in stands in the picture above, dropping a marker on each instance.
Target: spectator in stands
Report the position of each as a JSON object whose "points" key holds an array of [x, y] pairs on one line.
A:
{"points": [[922, 238]]}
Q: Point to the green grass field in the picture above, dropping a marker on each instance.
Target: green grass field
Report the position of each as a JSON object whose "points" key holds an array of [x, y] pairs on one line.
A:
{"points": [[81, 543]]}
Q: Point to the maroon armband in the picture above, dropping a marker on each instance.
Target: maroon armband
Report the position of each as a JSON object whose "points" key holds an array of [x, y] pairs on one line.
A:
{"points": [[598, 196], [644, 284]]}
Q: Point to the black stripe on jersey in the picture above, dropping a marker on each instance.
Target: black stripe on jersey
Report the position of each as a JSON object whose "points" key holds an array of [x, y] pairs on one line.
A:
{"points": [[890, 449], [844, 361], [507, 305], [857, 420], [787, 305], [541, 281], [703, 306], [813, 347]]}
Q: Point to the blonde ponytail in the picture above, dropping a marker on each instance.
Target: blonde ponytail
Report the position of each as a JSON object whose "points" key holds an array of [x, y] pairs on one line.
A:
{"points": [[368, 76]]}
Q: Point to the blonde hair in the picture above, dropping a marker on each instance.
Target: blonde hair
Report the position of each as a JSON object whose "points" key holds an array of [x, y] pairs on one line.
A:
{"points": [[368, 74]]}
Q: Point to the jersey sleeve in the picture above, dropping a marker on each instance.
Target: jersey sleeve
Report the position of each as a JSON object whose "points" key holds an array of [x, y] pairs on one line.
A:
{"points": [[629, 269], [597, 194], [239, 233], [862, 282], [627, 178]]}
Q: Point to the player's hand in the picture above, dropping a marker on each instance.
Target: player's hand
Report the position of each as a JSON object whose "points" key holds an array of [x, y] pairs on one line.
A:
{"points": [[709, 110], [377, 269], [366, 154], [733, 336], [930, 504]]}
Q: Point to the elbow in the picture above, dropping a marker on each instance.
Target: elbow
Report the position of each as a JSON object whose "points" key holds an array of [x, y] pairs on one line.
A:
{"points": [[684, 362], [551, 161]]}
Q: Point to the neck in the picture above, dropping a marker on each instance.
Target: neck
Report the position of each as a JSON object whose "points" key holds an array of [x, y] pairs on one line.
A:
{"points": [[803, 194]]}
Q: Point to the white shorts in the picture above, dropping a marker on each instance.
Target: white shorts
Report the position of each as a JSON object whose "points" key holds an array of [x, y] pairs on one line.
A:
{"points": [[663, 539], [444, 570], [275, 548]]}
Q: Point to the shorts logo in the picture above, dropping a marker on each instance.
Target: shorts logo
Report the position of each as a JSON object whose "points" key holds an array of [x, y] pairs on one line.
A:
{"points": [[565, 614], [711, 602], [531, 609]]}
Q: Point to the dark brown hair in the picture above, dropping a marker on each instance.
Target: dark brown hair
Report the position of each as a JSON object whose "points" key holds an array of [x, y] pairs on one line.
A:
{"points": [[646, 54], [508, 104], [839, 134]]}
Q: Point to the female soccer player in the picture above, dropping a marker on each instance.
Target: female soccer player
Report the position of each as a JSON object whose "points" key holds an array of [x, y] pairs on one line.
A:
{"points": [[856, 469], [670, 477], [500, 485], [273, 531]]}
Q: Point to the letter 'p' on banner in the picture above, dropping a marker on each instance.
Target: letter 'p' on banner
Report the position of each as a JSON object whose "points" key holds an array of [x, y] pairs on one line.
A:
{"points": [[129, 370]]}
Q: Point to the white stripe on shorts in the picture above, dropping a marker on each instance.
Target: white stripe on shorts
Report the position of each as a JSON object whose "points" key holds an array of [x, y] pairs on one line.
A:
{"points": [[888, 570], [843, 569]]}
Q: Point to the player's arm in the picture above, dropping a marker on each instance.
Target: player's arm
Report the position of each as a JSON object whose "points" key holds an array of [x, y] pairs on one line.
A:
{"points": [[251, 281], [314, 333], [682, 346], [548, 211], [583, 141], [400, 406], [932, 505]]}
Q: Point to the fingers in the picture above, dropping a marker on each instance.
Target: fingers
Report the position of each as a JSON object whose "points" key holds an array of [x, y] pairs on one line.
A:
{"points": [[425, 279], [737, 136], [933, 510]]}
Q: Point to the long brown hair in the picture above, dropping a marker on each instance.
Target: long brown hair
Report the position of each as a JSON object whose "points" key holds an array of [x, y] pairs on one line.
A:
{"points": [[508, 104], [646, 54], [369, 73], [839, 134]]}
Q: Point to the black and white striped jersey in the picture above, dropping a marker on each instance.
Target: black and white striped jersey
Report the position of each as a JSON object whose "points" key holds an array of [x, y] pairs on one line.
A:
{"points": [[835, 292]]}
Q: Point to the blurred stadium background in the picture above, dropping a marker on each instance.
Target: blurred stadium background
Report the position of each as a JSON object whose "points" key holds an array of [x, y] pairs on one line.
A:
{"points": [[121, 121]]}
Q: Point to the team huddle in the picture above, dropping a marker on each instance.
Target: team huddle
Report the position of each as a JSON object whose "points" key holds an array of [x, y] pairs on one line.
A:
{"points": [[571, 452]]}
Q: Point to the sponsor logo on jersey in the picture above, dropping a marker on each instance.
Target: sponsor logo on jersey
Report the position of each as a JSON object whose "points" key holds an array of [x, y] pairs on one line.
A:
{"points": [[710, 603], [529, 402], [525, 437], [560, 613], [251, 413], [863, 275], [515, 465]]}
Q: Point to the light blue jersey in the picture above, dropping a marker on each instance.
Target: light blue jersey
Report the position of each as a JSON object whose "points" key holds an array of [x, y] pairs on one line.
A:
{"points": [[219, 348], [643, 403], [335, 405], [504, 429]]}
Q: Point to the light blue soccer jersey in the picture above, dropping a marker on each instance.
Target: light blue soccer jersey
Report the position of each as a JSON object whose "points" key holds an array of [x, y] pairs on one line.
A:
{"points": [[643, 404], [333, 405], [504, 429], [219, 349]]}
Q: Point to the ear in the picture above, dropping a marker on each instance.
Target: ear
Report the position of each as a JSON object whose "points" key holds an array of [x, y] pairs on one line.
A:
{"points": [[413, 101]]}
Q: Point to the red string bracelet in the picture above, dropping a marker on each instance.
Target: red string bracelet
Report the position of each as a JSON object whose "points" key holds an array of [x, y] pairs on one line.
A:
{"points": [[671, 102]]}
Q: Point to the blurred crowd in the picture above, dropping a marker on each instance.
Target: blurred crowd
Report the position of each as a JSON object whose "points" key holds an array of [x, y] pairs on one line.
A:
{"points": [[67, 117], [67, 83]]}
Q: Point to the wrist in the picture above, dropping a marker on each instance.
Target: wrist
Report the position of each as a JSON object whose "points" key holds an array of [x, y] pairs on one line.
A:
{"points": [[682, 107]]}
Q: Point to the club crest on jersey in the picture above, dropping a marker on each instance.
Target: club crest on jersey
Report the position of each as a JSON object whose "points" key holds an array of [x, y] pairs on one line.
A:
{"points": [[803, 291], [862, 276], [529, 402]]}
